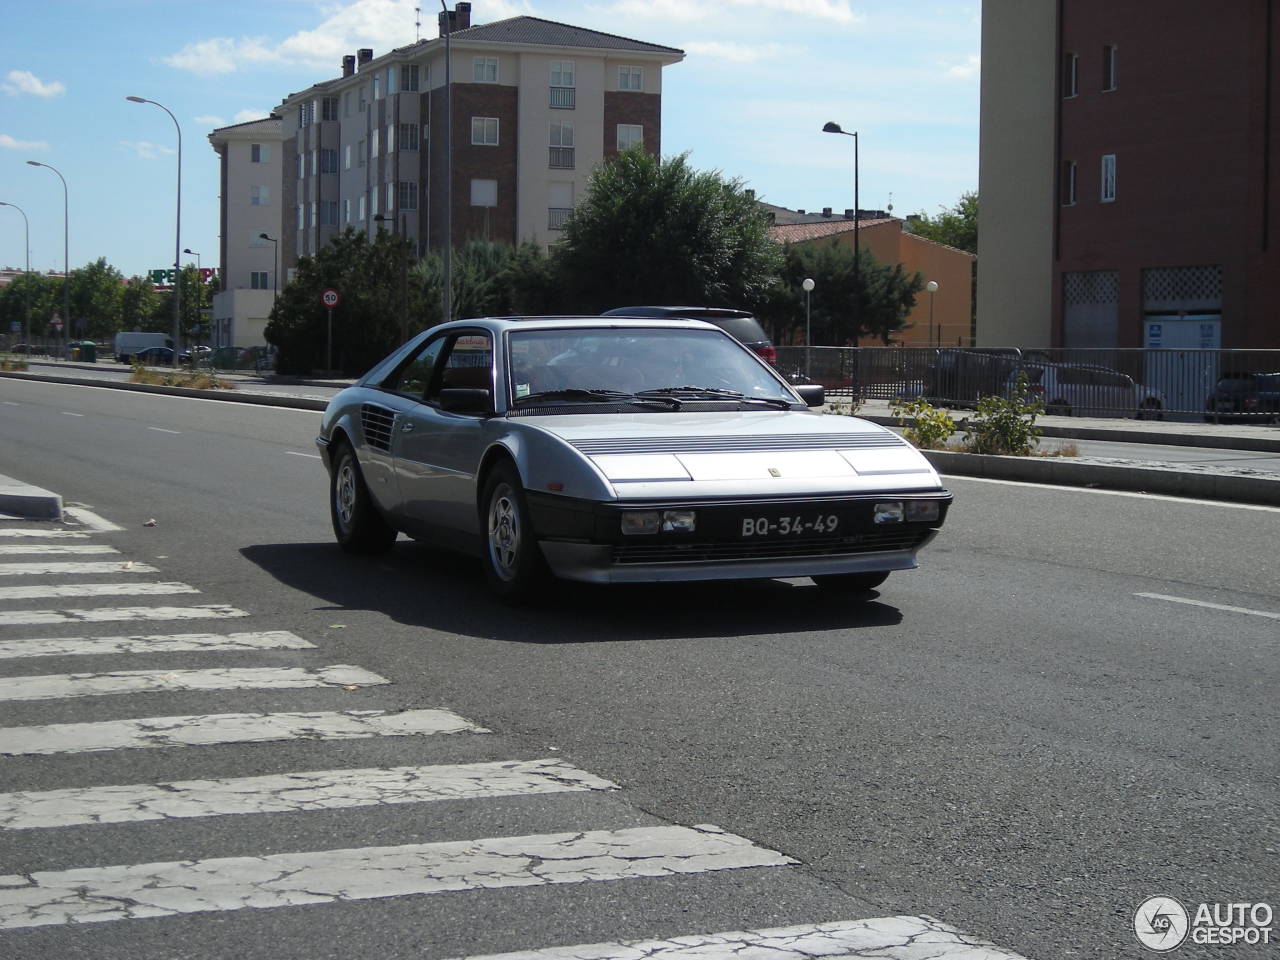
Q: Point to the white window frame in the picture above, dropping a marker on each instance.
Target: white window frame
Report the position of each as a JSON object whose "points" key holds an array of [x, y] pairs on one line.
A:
{"points": [[1107, 191], [409, 77], [391, 139], [484, 125], [484, 69], [346, 157], [373, 142], [360, 215], [562, 73], [1070, 183], [635, 130], [408, 195], [259, 196], [410, 137], [1070, 76], [1109, 66], [259, 153], [346, 210], [631, 77], [393, 75]]}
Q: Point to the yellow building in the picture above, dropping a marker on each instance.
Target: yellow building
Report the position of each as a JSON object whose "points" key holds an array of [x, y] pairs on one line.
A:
{"points": [[940, 318]]}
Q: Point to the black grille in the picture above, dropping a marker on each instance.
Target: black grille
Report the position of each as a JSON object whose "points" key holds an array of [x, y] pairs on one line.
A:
{"points": [[831, 441], [376, 422], [697, 552]]}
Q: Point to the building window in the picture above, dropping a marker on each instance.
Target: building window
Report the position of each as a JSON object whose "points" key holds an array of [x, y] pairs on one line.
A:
{"points": [[391, 81], [315, 161], [562, 84], [360, 151], [255, 239], [328, 160], [391, 138], [630, 78], [328, 213], [259, 280], [346, 210], [562, 145], [409, 78], [408, 195], [391, 197], [377, 87], [329, 108], [484, 131], [373, 142], [302, 215], [1109, 67], [408, 136], [1108, 177], [360, 208], [484, 193], [346, 157], [484, 69], [259, 153], [630, 135], [560, 200], [307, 114], [1068, 182], [315, 214], [375, 197], [259, 196], [1070, 75]]}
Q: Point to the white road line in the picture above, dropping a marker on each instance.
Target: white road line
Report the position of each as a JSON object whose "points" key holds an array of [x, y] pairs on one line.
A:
{"points": [[94, 590], [73, 567], [902, 938], [293, 792], [226, 728], [294, 453], [1212, 606], [60, 685], [155, 643], [24, 618], [101, 894], [163, 430], [68, 413], [54, 549], [10, 403], [1117, 493], [48, 533], [83, 515]]}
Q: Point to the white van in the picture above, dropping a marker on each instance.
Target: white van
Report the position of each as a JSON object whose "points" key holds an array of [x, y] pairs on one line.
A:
{"points": [[128, 344]]}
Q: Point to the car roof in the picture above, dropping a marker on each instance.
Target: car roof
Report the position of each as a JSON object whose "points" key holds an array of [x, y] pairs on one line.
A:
{"points": [[677, 311], [501, 324]]}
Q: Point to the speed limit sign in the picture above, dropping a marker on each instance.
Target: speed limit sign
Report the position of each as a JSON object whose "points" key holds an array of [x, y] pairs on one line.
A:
{"points": [[329, 298]]}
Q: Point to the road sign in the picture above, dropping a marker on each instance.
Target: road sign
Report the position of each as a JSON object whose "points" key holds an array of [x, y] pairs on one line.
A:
{"points": [[56, 323], [330, 298]]}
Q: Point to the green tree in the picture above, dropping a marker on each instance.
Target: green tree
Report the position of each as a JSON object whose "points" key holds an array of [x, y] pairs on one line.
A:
{"points": [[97, 291], [955, 226], [651, 231], [140, 306], [42, 294]]}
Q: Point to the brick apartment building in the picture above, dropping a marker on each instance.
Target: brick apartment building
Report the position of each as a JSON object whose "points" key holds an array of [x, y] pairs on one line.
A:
{"points": [[1130, 174]]}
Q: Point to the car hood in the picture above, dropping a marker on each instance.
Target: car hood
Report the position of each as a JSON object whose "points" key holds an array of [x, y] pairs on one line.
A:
{"points": [[792, 451]]}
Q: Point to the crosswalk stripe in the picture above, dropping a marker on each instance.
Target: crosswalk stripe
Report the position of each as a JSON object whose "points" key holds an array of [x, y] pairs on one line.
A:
{"points": [[23, 618], [284, 793], [47, 591], [154, 643], [100, 894], [190, 731], [54, 549], [61, 685], [902, 938], [73, 567], [45, 534]]}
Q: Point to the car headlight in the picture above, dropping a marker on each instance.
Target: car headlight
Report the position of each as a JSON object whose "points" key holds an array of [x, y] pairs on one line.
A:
{"points": [[923, 510], [641, 522], [679, 521], [890, 512]]}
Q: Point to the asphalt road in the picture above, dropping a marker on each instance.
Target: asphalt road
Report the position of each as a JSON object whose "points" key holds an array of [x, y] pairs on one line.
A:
{"points": [[1070, 708]]}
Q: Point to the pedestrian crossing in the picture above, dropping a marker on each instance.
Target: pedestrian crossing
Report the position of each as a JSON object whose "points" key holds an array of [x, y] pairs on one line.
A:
{"points": [[456, 762]]}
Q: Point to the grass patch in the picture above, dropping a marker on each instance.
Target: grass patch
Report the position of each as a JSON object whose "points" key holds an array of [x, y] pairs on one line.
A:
{"points": [[12, 363], [191, 379]]}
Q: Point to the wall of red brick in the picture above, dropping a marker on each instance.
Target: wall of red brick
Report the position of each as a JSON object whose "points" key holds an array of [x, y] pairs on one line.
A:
{"points": [[624, 106]]}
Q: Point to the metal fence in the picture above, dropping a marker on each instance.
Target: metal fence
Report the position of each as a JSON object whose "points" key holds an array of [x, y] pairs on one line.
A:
{"points": [[1119, 382], [230, 359]]}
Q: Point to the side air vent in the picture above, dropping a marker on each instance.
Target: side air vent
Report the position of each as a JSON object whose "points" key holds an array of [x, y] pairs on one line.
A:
{"points": [[835, 441], [376, 422]]}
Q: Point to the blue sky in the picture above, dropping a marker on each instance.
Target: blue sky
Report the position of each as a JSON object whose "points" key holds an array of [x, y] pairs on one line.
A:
{"points": [[759, 79]]}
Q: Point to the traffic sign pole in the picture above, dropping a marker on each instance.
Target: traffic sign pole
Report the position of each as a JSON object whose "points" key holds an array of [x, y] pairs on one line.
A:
{"points": [[330, 299]]}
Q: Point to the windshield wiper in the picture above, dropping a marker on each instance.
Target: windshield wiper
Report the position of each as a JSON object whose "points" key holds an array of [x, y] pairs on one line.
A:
{"points": [[588, 396], [716, 393]]}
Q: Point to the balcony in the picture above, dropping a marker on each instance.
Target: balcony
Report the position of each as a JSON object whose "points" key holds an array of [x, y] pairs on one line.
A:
{"points": [[556, 216], [561, 158], [562, 98]]}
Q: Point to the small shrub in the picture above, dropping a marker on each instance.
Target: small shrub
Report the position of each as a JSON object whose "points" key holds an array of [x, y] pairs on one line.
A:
{"points": [[922, 423], [846, 408], [190, 378], [1005, 426], [12, 363]]}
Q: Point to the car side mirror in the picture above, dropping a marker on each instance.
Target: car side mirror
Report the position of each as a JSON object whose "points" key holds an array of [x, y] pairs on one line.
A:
{"points": [[813, 394], [466, 400]]}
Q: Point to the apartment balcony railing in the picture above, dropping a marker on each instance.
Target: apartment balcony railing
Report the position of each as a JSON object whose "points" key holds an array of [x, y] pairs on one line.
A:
{"points": [[563, 98], [561, 158], [556, 216]]}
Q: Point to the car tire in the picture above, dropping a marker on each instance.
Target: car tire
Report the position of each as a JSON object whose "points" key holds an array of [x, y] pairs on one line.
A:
{"points": [[513, 563], [852, 583], [357, 525]]}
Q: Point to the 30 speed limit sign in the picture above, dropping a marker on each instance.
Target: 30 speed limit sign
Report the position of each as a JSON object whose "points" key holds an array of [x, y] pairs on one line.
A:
{"points": [[330, 298]]}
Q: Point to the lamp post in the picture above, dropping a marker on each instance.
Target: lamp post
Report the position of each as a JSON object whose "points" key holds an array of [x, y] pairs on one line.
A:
{"points": [[66, 247], [932, 287], [275, 274], [177, 234], [448, 167], [26, 323], [833, 127], [194, 254], [808, 285]]}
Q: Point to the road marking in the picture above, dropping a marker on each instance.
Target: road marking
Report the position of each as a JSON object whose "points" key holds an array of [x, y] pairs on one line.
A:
{"points": [[1212, 606], [72, 567], [1118, 493], [47, 534], [310, 456], [68, 413], [213, 611], [83, 515], [59, 685], [54, 549], [101, 894], [226, 728], [163, 430], [10, 403], [292, 792], [903, 938], [156, 643], [94, 590]]}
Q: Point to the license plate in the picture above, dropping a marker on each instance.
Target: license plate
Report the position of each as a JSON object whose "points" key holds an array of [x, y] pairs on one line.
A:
{"points": [[790, 525]]}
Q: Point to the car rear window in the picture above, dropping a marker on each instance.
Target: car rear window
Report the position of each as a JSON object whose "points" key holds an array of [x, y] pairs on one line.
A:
{"points": [[746, 329]]}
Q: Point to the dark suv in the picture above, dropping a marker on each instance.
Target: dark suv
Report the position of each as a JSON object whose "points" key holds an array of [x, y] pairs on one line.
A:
{"points": [[1253, 397], [739, 324]]}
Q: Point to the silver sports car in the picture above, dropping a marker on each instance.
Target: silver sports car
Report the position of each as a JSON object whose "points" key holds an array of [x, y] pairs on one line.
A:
{"points": [[615, 450]]}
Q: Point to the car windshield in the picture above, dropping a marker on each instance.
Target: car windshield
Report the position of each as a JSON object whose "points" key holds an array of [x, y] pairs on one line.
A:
{"points": [[600, 364]]}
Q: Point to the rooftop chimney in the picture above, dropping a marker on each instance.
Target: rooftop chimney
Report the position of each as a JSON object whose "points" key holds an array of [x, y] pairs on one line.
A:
{"points": [[364, 55], [826, 212], [848, 213], [801, 212], [348, 65], [463, 16]]}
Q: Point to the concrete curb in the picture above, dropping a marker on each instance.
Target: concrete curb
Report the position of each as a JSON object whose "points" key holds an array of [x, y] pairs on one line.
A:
{"points": [[234, 396], [27, 502]]}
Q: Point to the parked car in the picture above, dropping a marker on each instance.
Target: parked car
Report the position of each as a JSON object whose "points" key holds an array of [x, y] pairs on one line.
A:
{"points": [[740, 324], [160, 357], [619, 450], [1251, 397], [128, 344], [1086, 389], [960, 377]]}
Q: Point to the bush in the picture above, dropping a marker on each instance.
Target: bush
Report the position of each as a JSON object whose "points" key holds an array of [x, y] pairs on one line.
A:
{"points": [[922, 423], [1005, 426]]}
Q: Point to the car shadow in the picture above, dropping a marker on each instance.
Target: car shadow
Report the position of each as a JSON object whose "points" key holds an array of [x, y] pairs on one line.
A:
{"points": [[421, 586]]}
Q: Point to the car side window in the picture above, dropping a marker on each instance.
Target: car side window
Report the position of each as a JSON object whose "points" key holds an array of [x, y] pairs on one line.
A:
{"points": [[414, 377], [467, 364]]}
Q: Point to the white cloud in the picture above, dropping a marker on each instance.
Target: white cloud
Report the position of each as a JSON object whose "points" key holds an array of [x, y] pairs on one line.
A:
{"points": [[24, 81], [220, 55], [146, 150], [244, 116], [208, 120], [963, 71], [741, 53], [669, 11], [9, 143]]}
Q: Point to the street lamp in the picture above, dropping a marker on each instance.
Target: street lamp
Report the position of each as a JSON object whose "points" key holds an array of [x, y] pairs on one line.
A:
{"points": [[932, 287], [808, 285], [177, 233], [275, 274], [26, 326], [66, 247], [833, 127], [194, 254]]}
